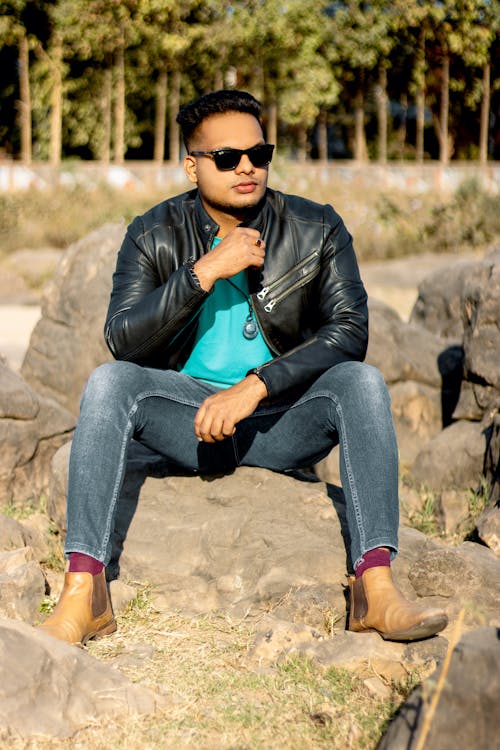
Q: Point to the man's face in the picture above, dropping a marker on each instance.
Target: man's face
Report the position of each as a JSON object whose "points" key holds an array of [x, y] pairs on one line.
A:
{"points": [[236, 191]]}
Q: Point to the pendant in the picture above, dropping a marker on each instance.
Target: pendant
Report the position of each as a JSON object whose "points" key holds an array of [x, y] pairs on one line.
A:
{"points": [[250, 328]]}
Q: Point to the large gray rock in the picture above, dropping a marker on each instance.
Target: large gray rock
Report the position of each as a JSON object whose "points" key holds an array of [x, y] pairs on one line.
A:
{"points": [[481, 312], [452, 459], [257, 540], [467, 711], [438, 308], [52, 689], [68, 343], [22, 584], [403, 351], [32, 428]]}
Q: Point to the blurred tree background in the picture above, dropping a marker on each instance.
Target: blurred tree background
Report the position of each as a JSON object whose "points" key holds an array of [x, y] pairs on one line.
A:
{"points": [[380, 80]]}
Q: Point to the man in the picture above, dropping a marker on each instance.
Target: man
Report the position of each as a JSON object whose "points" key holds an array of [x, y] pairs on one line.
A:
{"points": [[239, 324]]}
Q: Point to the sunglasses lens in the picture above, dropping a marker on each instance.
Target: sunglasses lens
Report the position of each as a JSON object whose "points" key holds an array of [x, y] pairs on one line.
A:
{"points": [[260, 156], [229, 158]]}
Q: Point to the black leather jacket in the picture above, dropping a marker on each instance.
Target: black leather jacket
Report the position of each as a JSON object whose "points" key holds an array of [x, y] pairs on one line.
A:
{"points": [[309, 300]]}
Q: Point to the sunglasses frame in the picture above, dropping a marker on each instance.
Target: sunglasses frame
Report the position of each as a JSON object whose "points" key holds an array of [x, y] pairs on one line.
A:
{"points": [[238, 152]]}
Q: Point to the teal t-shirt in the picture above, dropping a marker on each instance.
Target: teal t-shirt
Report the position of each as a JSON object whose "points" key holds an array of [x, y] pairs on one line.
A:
{"points": [[221, 355]]}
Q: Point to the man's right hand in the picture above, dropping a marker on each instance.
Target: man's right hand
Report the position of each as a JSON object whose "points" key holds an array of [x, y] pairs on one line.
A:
{"points": [[240, 249]]}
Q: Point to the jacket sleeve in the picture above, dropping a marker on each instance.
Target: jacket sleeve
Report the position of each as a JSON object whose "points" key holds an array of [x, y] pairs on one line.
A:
{"points": [[146, 312], [341, 333]]}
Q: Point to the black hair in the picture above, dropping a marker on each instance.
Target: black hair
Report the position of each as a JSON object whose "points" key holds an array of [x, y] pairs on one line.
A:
{"points": [[216, 102]]}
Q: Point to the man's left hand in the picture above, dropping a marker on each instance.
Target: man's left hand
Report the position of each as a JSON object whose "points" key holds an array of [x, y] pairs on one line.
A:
{"points": [[219, 414]]}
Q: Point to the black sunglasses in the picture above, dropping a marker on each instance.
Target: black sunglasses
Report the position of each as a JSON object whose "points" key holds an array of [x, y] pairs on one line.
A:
{"points": [[228, 158]]}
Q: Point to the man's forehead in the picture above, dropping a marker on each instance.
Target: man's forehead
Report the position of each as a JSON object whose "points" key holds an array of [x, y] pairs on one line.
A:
{"points": [[230, 129]]}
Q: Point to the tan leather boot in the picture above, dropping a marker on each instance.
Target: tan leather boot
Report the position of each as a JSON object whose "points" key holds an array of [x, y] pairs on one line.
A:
{"points": [[376, 604], [83, 610]]}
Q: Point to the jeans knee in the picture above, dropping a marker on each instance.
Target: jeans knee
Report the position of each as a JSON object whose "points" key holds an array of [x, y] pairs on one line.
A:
{"points": [[107, 382], [359, 382]]}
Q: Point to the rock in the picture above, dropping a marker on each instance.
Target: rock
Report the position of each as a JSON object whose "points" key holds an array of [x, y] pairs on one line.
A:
{"points": [[439, 304], [468, 575], [12, 534], [276, 639], [363, 653], [121, 595], [488, 528], [417, 412], [453, 510], [22, 584], [37, 531], [256, 542], [481, 312], [32, 428], [68, 342], [468, 701], [403, 351], [492, 460], [58, 485], [49, 688], [453, 459]]}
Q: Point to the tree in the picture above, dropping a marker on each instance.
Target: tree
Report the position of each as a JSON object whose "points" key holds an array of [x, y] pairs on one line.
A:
{"points": [[361, 43], [13, 32]]}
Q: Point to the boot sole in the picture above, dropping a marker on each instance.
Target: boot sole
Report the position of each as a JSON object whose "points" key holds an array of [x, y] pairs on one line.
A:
{"points": [[106, 630], [425, 629]]}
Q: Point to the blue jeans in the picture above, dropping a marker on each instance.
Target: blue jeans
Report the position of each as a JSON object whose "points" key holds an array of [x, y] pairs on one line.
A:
{"points": [[349, 405]]}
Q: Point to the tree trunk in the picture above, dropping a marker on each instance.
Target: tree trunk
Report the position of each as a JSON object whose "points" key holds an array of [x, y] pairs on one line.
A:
{"points": [[160, 116], [485, 115], [360, 150], [381, 97], [402, 130], [119, 142], [272, 122], [420, 98], [444, 150], [322, 137], [24, 100], [174, 102], [56, 97], [420, 125], [106, 106], [302, 144]]}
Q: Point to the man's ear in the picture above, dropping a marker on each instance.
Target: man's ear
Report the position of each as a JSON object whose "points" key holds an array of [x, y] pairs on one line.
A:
{"points": [[190, 168]]}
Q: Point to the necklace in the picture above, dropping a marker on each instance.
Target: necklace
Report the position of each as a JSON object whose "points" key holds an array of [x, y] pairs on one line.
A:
{"points": [[250, 330]]}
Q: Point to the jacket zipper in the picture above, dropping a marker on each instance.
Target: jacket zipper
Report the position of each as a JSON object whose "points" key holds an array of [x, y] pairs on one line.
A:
{"points": [[272, 302], [261, 296]]}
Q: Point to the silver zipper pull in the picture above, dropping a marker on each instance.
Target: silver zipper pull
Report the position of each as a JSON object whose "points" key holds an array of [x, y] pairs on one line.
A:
{"points": [[263, 293], [269, 305]]}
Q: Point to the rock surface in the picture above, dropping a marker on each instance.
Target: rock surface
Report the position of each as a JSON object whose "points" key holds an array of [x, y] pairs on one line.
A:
{"points": [[468, 703], [32, 428], [49, 688], [67, 343]]}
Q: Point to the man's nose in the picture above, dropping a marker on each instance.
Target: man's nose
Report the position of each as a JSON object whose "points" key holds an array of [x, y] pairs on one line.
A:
{"points": [[245, 165]]}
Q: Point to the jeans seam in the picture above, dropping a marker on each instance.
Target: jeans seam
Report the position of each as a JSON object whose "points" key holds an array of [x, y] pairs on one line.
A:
{"points": [[350, 475]]}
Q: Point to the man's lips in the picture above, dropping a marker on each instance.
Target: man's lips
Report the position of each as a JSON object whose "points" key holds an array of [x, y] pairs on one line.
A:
{"points": [[245, 187]]}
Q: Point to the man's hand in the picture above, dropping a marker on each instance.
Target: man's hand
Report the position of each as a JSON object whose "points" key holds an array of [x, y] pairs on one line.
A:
{"points": [[219, 414], [239, 249]]}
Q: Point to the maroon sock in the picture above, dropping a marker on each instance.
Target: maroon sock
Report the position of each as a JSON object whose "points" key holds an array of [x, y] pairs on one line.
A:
{"points": [[80, 563], [374, 558]]}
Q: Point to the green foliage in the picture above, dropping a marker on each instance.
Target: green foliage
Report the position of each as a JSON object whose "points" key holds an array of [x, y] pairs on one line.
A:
{"points": [[425, 518], [303, 63]]}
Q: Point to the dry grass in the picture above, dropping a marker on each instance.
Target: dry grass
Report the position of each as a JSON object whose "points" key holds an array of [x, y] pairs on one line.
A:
{"points": [[216, 699], [385, 224]]}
